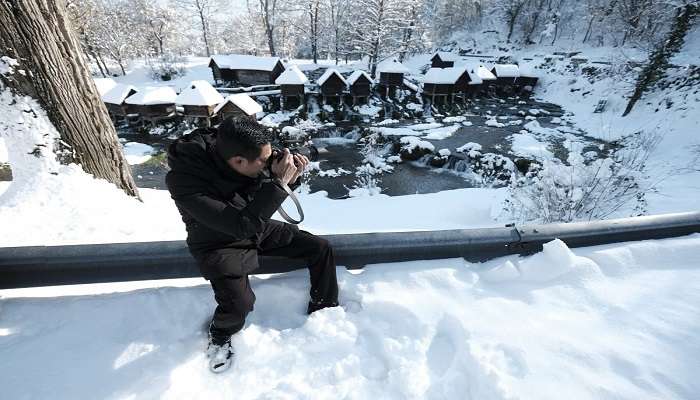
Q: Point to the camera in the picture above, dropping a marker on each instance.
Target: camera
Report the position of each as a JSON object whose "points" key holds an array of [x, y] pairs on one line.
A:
{"points": [[295, 147]]}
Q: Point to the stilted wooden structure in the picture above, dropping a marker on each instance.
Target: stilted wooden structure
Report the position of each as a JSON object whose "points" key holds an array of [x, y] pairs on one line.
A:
{"points": [[198, 102], [292, 90]]}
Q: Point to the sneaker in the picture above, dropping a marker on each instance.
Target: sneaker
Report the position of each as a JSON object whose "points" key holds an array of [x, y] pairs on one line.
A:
{"points": [[220, 355], [315, 306]]}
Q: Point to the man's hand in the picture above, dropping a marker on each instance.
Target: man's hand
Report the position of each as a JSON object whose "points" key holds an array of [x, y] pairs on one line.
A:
{"points": [[300, 162], [284, 168]]}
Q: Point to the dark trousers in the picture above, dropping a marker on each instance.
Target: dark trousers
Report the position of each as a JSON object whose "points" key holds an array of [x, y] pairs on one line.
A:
{"points": [[235, 298]]}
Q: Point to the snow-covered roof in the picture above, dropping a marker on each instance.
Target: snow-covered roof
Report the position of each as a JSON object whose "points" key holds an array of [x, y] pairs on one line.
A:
{"points": [[118, 93], [328, 73], [199, 93], [443, 75], [242, 101], [356, 75], [446, 56], [392, 66], [104, 85], [242, 61], [527, 70], [484, 73], [292, 76], [474, 78], [153, 95], [507, 70]]}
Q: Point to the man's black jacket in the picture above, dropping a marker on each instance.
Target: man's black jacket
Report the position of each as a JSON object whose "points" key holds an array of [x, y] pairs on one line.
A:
{"points": [[224, 211]]}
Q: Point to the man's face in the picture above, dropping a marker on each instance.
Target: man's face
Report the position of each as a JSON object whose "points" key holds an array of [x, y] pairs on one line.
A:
{"points": [[251, 168]]}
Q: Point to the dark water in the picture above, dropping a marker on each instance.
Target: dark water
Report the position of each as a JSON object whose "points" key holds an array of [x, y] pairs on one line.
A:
{"points": [[407, 177]]}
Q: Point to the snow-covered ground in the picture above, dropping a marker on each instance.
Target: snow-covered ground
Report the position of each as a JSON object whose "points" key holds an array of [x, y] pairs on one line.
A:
{"points": [[608, 322]]}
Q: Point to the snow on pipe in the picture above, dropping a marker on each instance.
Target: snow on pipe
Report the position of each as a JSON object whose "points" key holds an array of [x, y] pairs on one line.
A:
{"points": [[80, 264]]}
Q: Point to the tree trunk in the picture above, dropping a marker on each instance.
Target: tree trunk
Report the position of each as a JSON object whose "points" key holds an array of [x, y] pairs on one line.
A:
{"points": [[658, 60], [104, 65], [37, 33], [204, 32]]}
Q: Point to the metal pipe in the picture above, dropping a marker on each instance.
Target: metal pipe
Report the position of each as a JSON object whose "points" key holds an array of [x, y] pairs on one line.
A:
{"points": [[80, 264]]}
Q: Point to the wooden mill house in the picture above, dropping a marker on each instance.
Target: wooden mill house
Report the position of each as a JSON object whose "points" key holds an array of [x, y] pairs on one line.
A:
{"points": [[292, 89], [360, 86], [198, 101], [153, 104], [238, 106], [391, 74], [245, 70], [332, 85]]}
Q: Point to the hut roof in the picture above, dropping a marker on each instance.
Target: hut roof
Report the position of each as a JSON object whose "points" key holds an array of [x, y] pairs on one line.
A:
{"points": [[152, 96], [446, 56], [527, 70], [104, 85], [242, 61], [356, 75], [443, 75], [242, 101], [199, 93], [484, 73], [506, 70], [474, 78], [292, 76], [118, 93], [392, 66], [328, 73]]}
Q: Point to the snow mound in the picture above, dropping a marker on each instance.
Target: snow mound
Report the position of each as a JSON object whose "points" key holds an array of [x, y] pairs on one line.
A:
{"points": [[137, 153], [555, 261]]}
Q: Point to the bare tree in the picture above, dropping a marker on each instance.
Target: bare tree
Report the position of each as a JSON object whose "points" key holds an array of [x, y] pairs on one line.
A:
{"points": [[203, 11], [38, 35], [268, 10], [338, 11]]}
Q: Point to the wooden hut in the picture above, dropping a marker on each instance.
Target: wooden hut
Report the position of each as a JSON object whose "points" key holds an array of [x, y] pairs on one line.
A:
{"points": [[238, 106], [245, 70], [474, 85], [443, 59], [291, 83], [115, 97], [505, 74], [153, 103], [390, 76], [331, 84], [360, 86], [440, 82], [527, 79], [199, 100]]}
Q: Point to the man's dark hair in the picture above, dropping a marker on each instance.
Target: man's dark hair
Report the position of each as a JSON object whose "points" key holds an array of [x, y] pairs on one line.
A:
{"points": [[241, 137]]}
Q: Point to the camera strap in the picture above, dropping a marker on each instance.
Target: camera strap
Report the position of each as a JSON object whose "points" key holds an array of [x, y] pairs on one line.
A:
{"points": [[296, 202]]}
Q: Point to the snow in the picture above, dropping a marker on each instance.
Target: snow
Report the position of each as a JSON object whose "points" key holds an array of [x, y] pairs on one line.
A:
{"points": [[484, 73], [242, 101], [242, 61], [474, 78], [292, 76], [4, 157], [493, 123], [199, 93], [392, 66], [153, 95], [528, 146], [443, 75], [104, 85], [410, 143], [118, 93], [328, 73], [137, 153], [356, 75], [441, 133], [507, 70]]}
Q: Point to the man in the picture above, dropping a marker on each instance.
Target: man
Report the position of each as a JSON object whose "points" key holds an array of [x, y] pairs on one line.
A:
{"points": [[226, 192]]}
